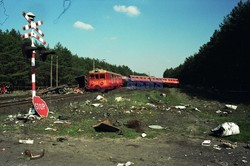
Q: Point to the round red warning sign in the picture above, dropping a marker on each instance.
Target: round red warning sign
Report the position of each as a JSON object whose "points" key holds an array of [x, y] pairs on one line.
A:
{"points": [[40, 106]]}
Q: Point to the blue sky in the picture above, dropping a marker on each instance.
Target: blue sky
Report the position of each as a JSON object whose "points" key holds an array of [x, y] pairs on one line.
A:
{"points": [[146, 35]]}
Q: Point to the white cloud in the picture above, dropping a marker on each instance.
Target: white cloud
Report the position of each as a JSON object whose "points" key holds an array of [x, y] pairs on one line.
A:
{"points": [[82, 25], [130, 10]]}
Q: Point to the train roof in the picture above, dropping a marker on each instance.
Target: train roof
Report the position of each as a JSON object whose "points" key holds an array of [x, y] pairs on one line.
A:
{"points": [[102, 71]]}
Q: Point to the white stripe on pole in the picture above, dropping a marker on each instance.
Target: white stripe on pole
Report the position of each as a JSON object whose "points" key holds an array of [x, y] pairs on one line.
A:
{"points": [[33, 78], [33, 93]]}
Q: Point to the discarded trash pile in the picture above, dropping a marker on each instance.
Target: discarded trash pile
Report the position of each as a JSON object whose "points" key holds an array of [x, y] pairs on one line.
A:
{"points": [[226, 129]]}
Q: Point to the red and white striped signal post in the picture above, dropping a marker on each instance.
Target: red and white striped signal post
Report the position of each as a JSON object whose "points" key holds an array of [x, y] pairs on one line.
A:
{"points": [[40, 107], [30, 17]]}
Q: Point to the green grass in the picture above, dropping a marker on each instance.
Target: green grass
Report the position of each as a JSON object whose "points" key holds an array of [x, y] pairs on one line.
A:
{"points": [[187, 123]]}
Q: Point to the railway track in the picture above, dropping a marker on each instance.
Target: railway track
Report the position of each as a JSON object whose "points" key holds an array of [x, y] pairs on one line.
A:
{"points": [[27, 100]]}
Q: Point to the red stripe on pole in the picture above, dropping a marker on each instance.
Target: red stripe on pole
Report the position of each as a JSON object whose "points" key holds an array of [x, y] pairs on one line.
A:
{"points": [[44, 43], [33, 55], [33, 70], [34, 86]]}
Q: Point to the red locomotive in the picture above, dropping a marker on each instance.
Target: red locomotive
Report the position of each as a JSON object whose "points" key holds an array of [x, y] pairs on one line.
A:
{"points": [[103, 79]]}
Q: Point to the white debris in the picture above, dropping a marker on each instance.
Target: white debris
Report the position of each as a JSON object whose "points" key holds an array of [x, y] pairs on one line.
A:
{"points": [[28, 141], [61, 122], [152, 105], [155, 127], [244, 161], [234, 107], [163, 94], [50, 129], [169, 108], [180, 107], [226, 129], [196, 109], [120, 99], [217, 147], [228, 145], [143, 135], [87, 101], [133, 107], [206, 143], [125, 164], [127, 112], [97, 105], [218, 112], [100, 98]]}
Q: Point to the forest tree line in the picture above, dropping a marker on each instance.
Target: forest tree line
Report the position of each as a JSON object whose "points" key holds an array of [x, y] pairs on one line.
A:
{"points": [[15, 68], [223, 63]]}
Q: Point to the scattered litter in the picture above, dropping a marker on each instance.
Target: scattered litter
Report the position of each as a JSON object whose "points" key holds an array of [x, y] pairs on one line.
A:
{"points": [[50, 129], [97, 105], [218, 112], [127, 112], [28, 141], [217, 147], [163, 94], [87, 102], [206, 143], [33, 156], [120, 99], [169, 108], [244, 161], [222, 112], [155, 127], [226, 129], [143, 135], [100, 98], [152, 105], [61, 139], [105, 126], [61, 122], [125, 164], [180, 107], [248, 145], [196, 109], [228, 145], [234, 107]]}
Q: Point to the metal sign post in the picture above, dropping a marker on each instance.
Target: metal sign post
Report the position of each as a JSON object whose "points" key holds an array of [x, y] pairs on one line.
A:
{"points": [[30, 17]]}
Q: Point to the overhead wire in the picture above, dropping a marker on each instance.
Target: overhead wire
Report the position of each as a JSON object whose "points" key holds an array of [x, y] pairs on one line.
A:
{"points": [[4, 12], [66, 6]]}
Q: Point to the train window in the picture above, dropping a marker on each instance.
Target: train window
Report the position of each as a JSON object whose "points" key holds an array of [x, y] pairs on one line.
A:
{"points": [[92, 76], [96, 76], [102, 76]]}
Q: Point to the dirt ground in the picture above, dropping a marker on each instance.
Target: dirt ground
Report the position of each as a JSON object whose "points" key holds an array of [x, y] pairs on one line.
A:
{"points": [[141, 151], [168, 148]]}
